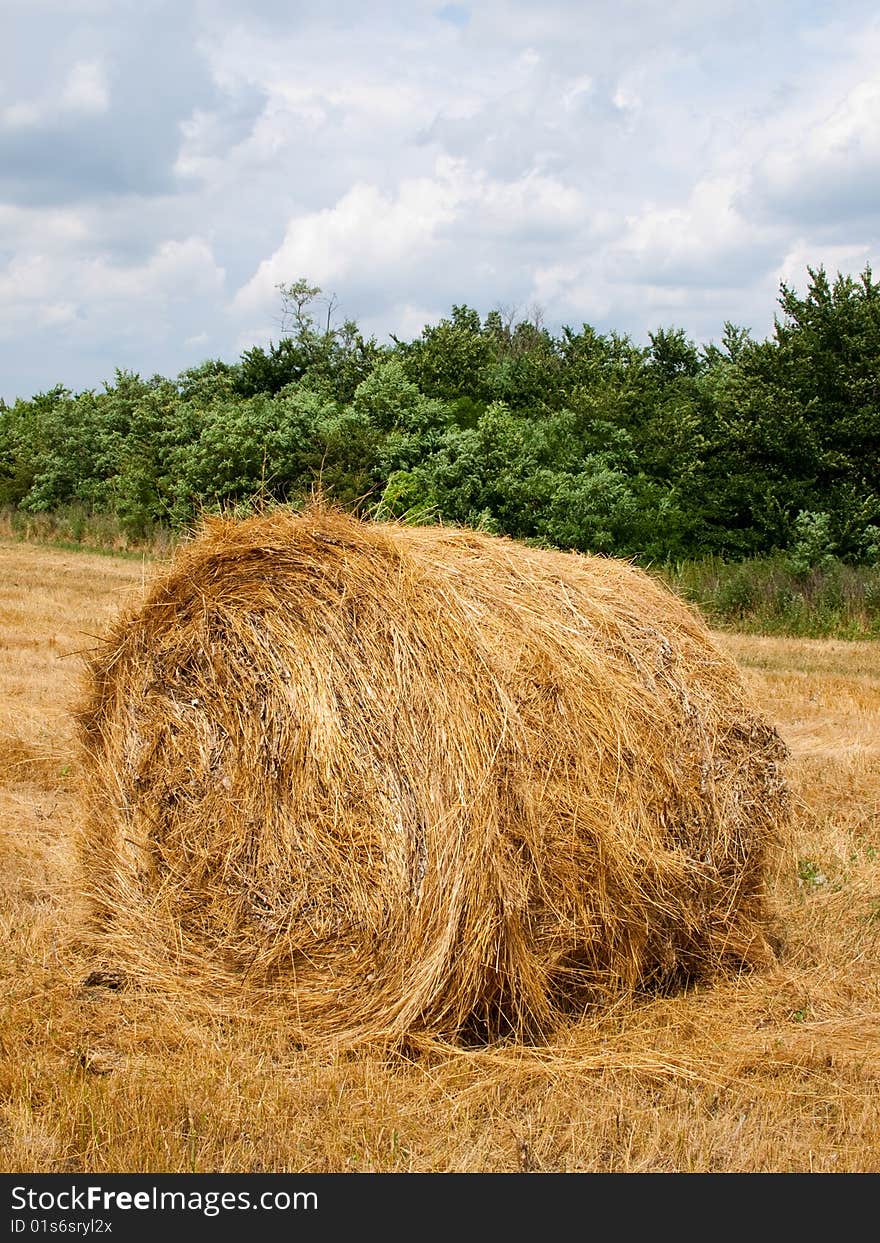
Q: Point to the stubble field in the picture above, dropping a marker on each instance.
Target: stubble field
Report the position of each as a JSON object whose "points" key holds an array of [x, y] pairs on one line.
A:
{"points": [[774, 1071]]}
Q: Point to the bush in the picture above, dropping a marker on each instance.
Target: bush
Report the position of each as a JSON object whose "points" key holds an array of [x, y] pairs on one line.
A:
{"points": [[813, 546]]}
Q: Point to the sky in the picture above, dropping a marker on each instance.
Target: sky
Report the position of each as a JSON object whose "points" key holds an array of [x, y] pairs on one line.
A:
{"points": [[166, 164]]}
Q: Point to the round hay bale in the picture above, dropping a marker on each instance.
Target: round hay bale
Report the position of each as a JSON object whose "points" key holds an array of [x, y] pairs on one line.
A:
{"points": [[421, 779]]}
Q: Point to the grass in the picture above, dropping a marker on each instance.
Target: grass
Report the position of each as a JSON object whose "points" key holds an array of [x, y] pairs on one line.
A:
{"points": [[774, 1071], [73, 528], [766, 595]]}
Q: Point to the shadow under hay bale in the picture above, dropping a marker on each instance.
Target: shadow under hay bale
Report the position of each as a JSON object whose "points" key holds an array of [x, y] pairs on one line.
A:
{"points": [[420, 780]]}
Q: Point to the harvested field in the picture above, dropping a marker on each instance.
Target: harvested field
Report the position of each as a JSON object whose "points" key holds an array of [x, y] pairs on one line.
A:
{"points": [[776, 1069]]}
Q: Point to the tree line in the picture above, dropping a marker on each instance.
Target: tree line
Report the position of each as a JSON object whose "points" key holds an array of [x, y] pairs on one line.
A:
{"points": [[580, 439]]}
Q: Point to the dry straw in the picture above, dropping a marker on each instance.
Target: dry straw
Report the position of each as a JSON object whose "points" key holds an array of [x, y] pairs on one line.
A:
{"points": [[420, 780]]}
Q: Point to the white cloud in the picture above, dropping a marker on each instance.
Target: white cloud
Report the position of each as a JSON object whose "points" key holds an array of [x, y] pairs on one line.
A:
{"points": [[626, 98], [457, 218], [112, 297], [21, 115], [833, 164], [177, 270], [54, 314], [705, 240], [850, 257], [409, 320], [84, 91], [54, 227], [620, 164], [366, 231], [254, 334], [576, 90], [86, 88]]}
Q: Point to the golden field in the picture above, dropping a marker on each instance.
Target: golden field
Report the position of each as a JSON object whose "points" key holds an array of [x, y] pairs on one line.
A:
{"points": [[775, 1071]]}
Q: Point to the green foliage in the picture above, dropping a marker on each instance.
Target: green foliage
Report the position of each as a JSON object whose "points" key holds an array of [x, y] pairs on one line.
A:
{"points": [[243, 445], [593, 510], [827, 362], [332, 358], [758, 459], [813, 546], [765, 595], [673, 355], [269, 370], [448, 360], [407, 497], [870, 544]]}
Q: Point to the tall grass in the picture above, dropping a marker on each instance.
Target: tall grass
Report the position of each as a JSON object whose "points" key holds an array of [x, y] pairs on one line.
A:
{"points": [[767, 595], [75, 526]]}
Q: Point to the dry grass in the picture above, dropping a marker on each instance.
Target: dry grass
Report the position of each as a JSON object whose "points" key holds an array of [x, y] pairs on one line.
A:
{"points": [[776, 1070], [420, 782]]}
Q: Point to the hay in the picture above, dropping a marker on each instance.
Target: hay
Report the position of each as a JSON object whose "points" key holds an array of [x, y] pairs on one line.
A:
{"points": [[420, 780]]}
